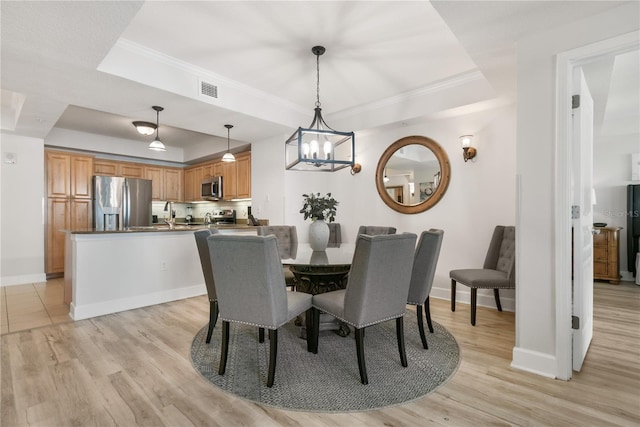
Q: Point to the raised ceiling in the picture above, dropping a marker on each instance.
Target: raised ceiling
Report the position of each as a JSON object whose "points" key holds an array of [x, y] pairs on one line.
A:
{"points": [[96, 66]]}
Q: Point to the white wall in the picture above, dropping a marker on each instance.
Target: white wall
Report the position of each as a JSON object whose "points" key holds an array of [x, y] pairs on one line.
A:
{"points": [[611, 175], [22, 211], [536, 300], [480, 196]]}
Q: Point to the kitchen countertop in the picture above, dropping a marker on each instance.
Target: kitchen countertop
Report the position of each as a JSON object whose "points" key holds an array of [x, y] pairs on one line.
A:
{"points": [[165, 228]]}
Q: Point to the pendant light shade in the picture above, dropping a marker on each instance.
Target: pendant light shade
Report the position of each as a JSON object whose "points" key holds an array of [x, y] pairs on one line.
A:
{"points": [[319, 147], [228, 156], [156, 144], [145, 128]]}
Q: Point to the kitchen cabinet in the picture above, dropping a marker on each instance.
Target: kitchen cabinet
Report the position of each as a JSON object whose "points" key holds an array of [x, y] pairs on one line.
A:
{"points": [[131, 170], [69, 180], [189, 185], [236, 175], [173, 188], [167, 183], [105, 167], [606, 249]]}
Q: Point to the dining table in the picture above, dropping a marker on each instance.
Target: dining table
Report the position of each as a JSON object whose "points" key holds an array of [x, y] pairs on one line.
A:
{"points": [[318, 272]]}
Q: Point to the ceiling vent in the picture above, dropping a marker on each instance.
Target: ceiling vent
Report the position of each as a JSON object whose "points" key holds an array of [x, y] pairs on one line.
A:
{"points": [[208, 89]]}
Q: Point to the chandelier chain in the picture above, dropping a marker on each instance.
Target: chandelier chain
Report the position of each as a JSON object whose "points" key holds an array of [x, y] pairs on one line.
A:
{"points": [[318, 80]]}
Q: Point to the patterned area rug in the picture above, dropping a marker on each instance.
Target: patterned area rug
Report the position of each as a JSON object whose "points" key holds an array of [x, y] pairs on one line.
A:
{"points": [[329, 381]]}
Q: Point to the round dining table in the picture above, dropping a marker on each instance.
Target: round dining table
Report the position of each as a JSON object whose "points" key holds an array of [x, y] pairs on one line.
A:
{"points": [[318, 272]]}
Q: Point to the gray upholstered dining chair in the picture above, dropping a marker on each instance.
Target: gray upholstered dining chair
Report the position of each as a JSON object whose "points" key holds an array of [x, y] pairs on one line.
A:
{"points": [[287, 237], [205, 262], [252, 292], [498, 271], [422, 273], [375, 230], [335, 235], [377, 291]]}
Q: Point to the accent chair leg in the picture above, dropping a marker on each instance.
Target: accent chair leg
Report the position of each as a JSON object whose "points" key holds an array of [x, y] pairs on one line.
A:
{"points": [[273, 353], [400, 334], [362, 366], [213, 318], [260, 334], [496, 293], [453, 295], [316, 329], [474, 300], [421, 327], [225, 348], [310, 329], [427, 312]]}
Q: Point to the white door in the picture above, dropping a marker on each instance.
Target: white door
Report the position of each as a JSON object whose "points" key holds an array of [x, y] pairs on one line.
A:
{"points": [[582, 177]]}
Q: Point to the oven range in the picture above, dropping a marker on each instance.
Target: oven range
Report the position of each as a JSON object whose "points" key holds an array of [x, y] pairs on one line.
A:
{"points": [[225, 216]]}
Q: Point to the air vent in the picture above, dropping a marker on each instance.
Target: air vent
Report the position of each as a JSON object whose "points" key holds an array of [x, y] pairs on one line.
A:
{"points": [[208, 89]]}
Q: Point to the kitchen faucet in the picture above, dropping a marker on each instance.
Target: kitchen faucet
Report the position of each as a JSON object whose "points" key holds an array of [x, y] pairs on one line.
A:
{"points": [[171, 221]]}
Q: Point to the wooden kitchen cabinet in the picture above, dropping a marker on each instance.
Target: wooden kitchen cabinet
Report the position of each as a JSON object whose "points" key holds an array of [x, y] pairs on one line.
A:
{"points": [[81, 176], [131, 170], [189, 185], [243, 175], [229, 181], [105, 167], [156, 175], [58, 218], [606, 250], [173, 187], [58, 167]]}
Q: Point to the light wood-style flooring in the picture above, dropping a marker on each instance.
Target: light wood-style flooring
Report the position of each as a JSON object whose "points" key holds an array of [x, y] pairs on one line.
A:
{"points": [[133, 368]]}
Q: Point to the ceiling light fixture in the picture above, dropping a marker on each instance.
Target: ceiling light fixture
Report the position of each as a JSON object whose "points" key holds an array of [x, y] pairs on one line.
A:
{"points": [[156, 144], [319, 147], [228, 156], [145, 128]]}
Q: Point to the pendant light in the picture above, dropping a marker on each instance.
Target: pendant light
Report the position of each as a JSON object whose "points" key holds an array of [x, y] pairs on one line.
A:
{"points": [[156, 144], [319, 147], [145, 128], [228, 156]]}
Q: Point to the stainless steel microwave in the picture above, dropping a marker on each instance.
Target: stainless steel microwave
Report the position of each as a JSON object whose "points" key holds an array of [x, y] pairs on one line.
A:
{"points": [[211, 188]]}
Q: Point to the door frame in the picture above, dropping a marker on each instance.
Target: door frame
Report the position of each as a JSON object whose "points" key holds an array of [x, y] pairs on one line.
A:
{"points": [[565, 63]]}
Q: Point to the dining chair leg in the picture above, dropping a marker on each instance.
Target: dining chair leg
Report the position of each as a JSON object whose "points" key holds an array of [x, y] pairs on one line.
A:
{"points": [[421, 327], [225, 348], [316, 328], [400, 334], [362, 366], [260, 334], [453, 295], [427, 312], [213, 318], [273, 353], [496, 293], [474, 300], [310, 330]]}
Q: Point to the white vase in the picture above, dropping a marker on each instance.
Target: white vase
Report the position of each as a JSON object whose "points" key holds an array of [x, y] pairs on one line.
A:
{"points": [[318, 235]]}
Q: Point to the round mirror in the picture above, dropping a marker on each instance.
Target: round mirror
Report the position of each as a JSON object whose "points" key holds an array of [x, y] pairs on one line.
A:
{"points": [[413, 174]]}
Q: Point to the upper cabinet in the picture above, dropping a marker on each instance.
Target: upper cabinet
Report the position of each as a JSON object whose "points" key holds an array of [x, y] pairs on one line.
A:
{"points": [[166, 183], [236, 178], [105, 167], [69, 175], [243, 175], [131, 170]]}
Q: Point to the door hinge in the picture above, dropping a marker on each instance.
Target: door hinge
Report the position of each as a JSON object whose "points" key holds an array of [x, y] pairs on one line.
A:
{"points": [[575, 101], [575, 322], [575, 212]]}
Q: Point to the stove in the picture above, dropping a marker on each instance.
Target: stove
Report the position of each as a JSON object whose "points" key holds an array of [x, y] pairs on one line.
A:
{"points": [[225, 216]]}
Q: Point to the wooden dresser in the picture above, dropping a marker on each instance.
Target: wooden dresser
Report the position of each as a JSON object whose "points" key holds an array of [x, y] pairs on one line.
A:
{"points": [[606, 250]]}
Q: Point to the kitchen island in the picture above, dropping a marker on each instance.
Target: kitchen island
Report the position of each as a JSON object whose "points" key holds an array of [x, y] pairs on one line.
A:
{"points": [[111, 271]]}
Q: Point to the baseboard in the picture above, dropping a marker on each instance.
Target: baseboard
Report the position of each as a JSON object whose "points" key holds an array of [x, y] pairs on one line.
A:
{"points": [[85, 311], [534, 362], [22, 280]]}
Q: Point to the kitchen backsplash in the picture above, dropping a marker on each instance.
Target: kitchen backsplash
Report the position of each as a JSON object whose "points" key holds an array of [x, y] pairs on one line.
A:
{"points": [[198, 210]]}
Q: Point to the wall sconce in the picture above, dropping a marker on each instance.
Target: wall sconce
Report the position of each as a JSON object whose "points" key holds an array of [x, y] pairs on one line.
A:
{"points": [[469, 151]]}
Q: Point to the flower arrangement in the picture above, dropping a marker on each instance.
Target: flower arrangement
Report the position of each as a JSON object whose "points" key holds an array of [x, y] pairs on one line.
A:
{"points": [[319, 207]]}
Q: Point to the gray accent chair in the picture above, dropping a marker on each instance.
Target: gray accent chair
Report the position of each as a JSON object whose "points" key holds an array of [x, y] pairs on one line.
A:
{"points": [[498, 271], [252, 292], [287, 236], [375, 230], [205, 260], [424, 269], [377, 291], [335, 235]]}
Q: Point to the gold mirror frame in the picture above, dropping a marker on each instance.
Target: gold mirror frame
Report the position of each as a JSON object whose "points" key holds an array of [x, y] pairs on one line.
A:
{"points": [[445, 171]]}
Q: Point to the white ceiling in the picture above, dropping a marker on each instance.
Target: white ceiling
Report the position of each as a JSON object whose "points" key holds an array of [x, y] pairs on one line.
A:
{"points": [[97, 66]]}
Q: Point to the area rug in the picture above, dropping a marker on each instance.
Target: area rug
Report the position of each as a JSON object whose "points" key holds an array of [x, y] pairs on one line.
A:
{"points": [[329, 381]]}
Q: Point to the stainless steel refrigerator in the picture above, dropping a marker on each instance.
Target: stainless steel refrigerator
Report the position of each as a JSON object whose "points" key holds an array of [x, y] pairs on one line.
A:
{"points": [[121, 203]]}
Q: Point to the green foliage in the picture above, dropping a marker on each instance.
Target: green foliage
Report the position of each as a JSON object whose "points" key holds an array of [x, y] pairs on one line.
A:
{"points": [[319, 207]]}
